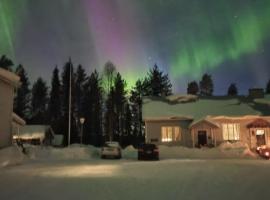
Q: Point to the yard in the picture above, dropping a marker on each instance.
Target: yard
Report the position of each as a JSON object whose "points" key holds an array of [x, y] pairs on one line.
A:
{"points": [[169, 178]]}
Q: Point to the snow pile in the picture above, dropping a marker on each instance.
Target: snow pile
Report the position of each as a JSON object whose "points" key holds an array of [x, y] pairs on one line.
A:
{"points": [[238, 149], [11, 156], [225, 150], [129, 152], [74, 152]]}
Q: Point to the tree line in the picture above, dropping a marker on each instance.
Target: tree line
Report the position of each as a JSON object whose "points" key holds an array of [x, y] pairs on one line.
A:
{"points": [[111, 112]]}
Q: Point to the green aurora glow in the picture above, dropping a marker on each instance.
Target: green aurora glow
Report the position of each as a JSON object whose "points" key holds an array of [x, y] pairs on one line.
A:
{"points": [[245, 33]]}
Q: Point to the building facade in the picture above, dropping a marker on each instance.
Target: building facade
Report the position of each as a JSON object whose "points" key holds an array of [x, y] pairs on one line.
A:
{"points": [[206, 122], [8, 83]]}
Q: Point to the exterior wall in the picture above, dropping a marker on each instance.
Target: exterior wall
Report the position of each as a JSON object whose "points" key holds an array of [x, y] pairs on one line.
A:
{"points": [[246, 135], [153, 132], [211, 134], [214, 135], [6, 109]]}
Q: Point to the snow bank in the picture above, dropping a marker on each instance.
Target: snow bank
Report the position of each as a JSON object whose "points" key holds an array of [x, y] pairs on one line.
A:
{"points": [[225, 150], [74, 152], [129, 152], [11, 156]]}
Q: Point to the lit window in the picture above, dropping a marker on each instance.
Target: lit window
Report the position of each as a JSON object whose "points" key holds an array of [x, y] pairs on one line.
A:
{"points": [[259, 132], [231, 131], [169, 134]]}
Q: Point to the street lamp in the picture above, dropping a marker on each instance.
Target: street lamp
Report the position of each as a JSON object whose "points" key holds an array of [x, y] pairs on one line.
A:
{"points": [[82, 120]]}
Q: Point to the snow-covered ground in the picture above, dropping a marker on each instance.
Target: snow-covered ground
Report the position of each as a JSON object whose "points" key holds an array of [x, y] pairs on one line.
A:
{"points": [[227, 172]]}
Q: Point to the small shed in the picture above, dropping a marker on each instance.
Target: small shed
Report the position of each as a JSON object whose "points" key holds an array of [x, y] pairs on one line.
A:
{"points": [[35, 134]]}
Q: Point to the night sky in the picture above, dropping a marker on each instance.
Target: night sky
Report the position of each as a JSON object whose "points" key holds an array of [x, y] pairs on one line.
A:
{"points": [[229, 39]]}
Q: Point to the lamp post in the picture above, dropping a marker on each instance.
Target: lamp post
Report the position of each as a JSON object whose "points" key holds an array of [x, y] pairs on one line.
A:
{"points": [[82, 120]]}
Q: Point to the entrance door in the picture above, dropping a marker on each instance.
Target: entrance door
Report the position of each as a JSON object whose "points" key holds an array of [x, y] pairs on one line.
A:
{"points": [[202, 138], [260, 136]]}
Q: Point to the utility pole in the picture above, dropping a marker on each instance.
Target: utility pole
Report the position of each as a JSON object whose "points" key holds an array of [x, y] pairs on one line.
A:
{"points": [[69, 103]]}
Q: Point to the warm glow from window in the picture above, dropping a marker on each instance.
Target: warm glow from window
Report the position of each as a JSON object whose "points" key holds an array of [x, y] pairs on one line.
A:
{"points": [[259, 132], [169, 133], [231, 131]]}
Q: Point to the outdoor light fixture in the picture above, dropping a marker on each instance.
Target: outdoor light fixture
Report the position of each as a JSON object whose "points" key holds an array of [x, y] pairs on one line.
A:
{"points": [[82, 120]]}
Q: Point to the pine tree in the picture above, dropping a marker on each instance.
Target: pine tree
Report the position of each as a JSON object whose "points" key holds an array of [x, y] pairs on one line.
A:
{"points": [[22, 100], [92, 110], [206, 85], [268, 88], [193, 88], [39, 102], [80, 78], [120, 100], [232, 90], [6, 63], [66, 82], [55, 105]]}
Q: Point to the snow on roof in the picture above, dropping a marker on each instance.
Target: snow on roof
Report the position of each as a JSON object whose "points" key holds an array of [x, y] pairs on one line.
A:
{"points": [[9, 77], [17, 119], [33, 132], [154, 107]]}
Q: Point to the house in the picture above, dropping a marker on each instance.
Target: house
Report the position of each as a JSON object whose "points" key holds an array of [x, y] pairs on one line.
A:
{"points": [[35, 134], [8, 84], [193, 122]]}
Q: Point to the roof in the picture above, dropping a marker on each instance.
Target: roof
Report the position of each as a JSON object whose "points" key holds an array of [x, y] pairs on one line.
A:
{"points": [[259, 123], [204, 120], [9, 77], [33, 131], [17, 119], [154, 107]]}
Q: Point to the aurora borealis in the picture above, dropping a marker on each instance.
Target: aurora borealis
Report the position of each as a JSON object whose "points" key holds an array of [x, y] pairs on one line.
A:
{"points": [[229, 39]]}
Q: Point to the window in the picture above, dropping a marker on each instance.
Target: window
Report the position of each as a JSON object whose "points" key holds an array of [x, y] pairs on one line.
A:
{"points": [[231, 131], [259, 132], [169, 133]]}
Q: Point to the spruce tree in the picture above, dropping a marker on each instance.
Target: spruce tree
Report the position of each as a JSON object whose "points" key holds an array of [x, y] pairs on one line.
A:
{"points": [[22, 99], [55, 105], [193, 88], [39, 102], [156, 83], [127, 134], [92, 110], [110, 117], [6, 63], [135, 99], [206, 85], [80, 78], [232, 90]]}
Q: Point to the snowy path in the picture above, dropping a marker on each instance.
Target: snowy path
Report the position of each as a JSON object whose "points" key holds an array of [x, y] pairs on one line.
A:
{"points": [[130, 179]]}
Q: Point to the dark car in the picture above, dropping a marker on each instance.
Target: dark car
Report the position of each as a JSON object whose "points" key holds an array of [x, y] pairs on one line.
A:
{"points": [[148, 152], [263, 151]]}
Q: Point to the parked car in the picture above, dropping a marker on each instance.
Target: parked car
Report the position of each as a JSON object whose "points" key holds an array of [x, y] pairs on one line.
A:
{"points": [[263, 151], [111, 149], [148, 151]]}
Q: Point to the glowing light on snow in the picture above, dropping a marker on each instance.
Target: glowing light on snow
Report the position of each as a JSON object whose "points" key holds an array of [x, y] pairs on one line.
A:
{"points": [[82, 171]]}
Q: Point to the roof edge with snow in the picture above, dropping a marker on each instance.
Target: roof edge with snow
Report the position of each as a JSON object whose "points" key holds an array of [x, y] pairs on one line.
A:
{"points": [[9, 77]]}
